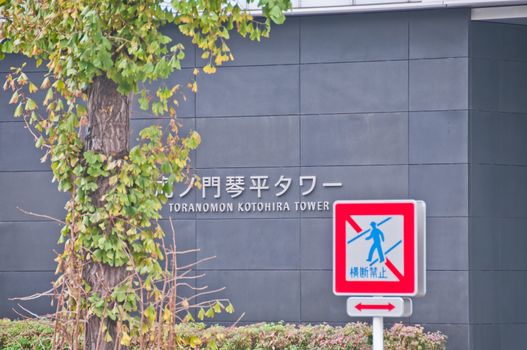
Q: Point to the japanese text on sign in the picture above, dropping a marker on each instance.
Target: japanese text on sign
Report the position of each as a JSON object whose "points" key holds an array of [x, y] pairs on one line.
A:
{"points": [[268, 194]]}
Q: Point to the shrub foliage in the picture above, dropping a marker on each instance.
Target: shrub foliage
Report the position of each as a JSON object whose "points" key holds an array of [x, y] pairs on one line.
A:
{"points": [[22, 335]]}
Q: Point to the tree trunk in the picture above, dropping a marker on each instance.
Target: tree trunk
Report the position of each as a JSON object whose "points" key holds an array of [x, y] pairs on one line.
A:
{"points": [[108, 133]]}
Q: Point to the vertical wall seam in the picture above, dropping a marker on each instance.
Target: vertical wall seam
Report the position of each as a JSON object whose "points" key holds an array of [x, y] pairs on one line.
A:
{"points": [[408, 113], [469, 182], [408, 106], [300, 163], [196, 160]]}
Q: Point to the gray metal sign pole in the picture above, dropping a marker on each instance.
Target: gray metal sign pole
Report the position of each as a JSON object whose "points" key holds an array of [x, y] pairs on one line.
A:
{"points": [[378, 333], [379, 284], [378, 308]]}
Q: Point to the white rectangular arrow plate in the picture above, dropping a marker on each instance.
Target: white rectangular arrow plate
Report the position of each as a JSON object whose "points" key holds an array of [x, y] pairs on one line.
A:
{"points": [[379, 307]]}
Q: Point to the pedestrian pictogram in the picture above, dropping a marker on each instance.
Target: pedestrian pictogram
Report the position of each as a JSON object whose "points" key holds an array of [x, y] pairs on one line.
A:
{"points": [[378, 237], [377, 247]]}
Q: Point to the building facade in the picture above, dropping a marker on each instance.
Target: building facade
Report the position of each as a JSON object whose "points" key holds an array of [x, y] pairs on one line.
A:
{"points": [[424, 104]]}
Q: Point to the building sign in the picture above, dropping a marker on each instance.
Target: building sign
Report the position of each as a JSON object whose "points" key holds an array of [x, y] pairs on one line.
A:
{"points": [[226, 194], [379, 247]]}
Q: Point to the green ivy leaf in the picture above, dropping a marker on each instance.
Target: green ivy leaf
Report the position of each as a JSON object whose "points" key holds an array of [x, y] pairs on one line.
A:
{"points": [[30, 105], [19, 110], [201, 314], [39, 142], [277, 15], [143, 101], [229, 309]]}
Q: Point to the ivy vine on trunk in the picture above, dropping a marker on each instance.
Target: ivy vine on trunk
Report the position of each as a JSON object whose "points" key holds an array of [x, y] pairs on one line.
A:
{"points": [[97, 55], [108, 134]]}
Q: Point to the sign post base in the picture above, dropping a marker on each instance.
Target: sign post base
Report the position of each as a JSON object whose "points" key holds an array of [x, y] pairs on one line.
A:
{"points": [[378, 333]]}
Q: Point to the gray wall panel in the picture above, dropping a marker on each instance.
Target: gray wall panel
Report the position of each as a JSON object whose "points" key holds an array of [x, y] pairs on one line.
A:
{"points": [[512, 87], [31, 191], [316, 243], [498, 191], [483, 241], [249, 244], [244, 91], [485, 85], [354, 87], [354, 37], [499, 41], [318, 301], [447, 237], [498, 244], [439, 305], [511, 288], [355, 139], [512, 240], [438, 137], [249, 142], [444, 188], [483, 305], [486, 39], [24, 284], [497, 178], [500, 138], [485, 336], [432, 34], [261, 295], [497, 85], [29, 246], [184, 234], [17, 149], [439, 84], [511, 335]]}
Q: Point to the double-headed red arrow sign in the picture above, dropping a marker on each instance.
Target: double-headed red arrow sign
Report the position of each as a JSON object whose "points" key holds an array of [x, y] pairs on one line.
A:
{"points": [[376, 307], [360, 306]]}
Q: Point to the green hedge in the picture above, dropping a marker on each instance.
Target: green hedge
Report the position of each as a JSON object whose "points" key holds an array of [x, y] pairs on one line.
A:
{"points": [[18, 335], [21, 335]]}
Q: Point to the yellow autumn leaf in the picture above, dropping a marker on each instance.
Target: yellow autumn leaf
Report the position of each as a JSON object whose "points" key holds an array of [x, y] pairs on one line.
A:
{"points": [[209, 69], [32, 87], [125, 339], [45, 83], [193, 86], [167, 315], [185, 19], [195, 341]]}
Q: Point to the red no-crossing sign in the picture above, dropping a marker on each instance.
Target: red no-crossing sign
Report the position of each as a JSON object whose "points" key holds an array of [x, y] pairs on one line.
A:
{"points": [[379, 248]]}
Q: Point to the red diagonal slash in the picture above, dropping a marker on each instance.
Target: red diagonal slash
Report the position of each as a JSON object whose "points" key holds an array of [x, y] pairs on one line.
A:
{"points": [[353, 224], [394, 270]]}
